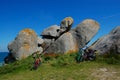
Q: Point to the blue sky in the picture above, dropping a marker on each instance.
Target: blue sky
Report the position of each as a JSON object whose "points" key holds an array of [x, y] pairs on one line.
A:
{"points": [[16, 15]]}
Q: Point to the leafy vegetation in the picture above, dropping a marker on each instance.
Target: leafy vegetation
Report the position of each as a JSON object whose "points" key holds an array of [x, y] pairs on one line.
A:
{"points": [[64, 67], [113, 59]]}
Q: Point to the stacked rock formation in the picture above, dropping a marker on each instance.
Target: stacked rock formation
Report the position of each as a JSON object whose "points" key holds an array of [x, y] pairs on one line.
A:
{"points": [[55, 39], [70, 40]]}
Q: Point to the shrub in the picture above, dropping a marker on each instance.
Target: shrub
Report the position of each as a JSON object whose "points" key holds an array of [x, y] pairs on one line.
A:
{"points": [[25, 64], [109, 58]]}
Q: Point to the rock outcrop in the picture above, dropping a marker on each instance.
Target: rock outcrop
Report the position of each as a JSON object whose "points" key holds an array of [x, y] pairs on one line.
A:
{"points": [[25, 44], [109, 43], [55, 39], [74, 39]]}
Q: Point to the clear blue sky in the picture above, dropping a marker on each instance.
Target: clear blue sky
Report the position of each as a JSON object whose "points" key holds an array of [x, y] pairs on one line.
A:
{"points": [[16, 15]]}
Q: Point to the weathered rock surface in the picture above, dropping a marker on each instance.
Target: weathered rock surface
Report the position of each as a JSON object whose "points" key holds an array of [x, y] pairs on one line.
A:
{"points": [[74, 39], [40, 41], [50, 34], [109, 43], [87, 29], [66, 24], [24, 44], [64, 44], [52, 31], [55, 39]]}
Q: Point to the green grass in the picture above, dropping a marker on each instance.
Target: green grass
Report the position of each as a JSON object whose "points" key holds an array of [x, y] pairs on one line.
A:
{"points": [[64, 67]]}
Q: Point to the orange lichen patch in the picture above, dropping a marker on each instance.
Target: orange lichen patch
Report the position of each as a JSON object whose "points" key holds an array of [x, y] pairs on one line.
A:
{"points": [[68, 19], [29, 31], [23, 56], [74, 50], [50, 54], [26, 46], [71, 51], [76, 47]]}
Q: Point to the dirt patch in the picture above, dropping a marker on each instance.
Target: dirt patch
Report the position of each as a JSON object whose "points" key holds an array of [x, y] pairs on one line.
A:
{"points": [[106, 74]]}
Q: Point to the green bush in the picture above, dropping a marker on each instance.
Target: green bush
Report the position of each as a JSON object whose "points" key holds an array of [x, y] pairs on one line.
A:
{"points": [[25, 64], [109, 58]]}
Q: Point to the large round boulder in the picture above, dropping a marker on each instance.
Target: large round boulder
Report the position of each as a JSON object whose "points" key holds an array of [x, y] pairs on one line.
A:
{"points": [[24, 44], [87, 29]]}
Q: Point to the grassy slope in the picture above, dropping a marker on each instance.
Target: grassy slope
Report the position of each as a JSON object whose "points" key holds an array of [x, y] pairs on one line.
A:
{"points": [[63, 68]]}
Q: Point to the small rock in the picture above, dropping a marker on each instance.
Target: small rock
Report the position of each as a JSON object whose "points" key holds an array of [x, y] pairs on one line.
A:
{"points": [[66, 24], [103, 69]]}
